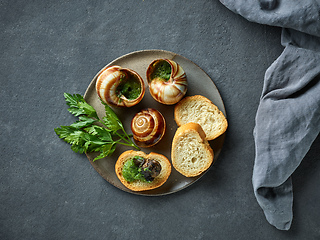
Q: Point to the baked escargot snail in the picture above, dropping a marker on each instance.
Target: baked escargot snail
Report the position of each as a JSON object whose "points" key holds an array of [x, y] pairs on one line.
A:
{"points": [[149, 168], [148, 127], [120, 87], [167, 81], [139, 171]]}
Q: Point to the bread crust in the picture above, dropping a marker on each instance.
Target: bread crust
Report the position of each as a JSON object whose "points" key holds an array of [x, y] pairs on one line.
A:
{"points": [[195, 131], [213, 122], [139, 185]]}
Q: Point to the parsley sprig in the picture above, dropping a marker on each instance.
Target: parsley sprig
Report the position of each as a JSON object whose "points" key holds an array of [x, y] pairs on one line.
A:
{"points": [[86, 136]]}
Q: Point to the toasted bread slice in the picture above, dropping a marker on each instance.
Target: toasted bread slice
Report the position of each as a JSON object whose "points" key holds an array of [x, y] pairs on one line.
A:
{"points": [[199, 109], [191, 153], [140, 185]]}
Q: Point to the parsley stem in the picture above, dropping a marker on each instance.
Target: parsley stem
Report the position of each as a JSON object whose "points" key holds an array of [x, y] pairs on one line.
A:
{"points": [[129, 144], [128, 140], [125, 137]]}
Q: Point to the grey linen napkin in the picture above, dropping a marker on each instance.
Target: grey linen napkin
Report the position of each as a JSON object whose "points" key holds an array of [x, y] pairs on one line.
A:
{"points": [[288, 116]]}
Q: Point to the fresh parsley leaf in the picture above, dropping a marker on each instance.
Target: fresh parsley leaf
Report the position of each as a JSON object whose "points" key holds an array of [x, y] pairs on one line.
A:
{"points": [[64, 131], [78, 106], [84, 122], [111, 120], [111, 124], [102, 133], [78, 149], [107, 150], [85, 135], [73, 136]]}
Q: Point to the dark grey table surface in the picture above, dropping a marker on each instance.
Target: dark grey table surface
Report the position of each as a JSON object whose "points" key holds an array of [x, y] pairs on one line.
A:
{"points": [[49, 192]]}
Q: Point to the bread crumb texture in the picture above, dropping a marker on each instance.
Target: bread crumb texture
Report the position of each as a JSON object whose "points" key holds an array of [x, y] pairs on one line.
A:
{"points": [[199, 109], [191, 152]]}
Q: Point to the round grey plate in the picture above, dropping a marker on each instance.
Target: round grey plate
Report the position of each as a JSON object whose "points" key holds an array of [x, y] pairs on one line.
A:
{"points": [[199, 83]]}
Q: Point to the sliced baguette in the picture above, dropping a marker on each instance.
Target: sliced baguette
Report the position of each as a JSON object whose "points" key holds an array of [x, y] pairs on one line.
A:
{"points": [[139, 185], [201, 110], [191, 153]]}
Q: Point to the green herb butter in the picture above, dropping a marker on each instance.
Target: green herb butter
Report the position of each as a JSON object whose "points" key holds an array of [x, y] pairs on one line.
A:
{"points": [[131, 171], [162, 70], [129, 87]]}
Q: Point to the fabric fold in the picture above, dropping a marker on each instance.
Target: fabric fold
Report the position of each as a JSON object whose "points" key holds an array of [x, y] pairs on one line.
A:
{"points": [[288, 115], [302, 16], [287, 123]]}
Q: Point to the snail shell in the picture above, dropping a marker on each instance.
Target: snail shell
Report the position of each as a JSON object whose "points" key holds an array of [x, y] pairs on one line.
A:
{"points": [[120, 87], [148, 127], [167, 81]]}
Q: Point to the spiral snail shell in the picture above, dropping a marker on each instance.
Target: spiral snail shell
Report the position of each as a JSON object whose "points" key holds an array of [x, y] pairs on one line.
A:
{"points": [[120, 87], [167, 81], [148, 127]]}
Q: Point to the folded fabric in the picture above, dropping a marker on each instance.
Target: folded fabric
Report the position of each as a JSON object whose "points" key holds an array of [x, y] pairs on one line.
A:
{"points": [[298, 15], [288, 116], [287, 122]]}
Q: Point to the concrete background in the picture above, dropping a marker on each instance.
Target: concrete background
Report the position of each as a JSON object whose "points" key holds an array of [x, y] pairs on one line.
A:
{"points": [[49, 192]]}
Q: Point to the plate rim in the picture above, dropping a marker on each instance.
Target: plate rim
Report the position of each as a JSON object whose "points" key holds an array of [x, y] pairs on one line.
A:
{"points": [[91, 84]]}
